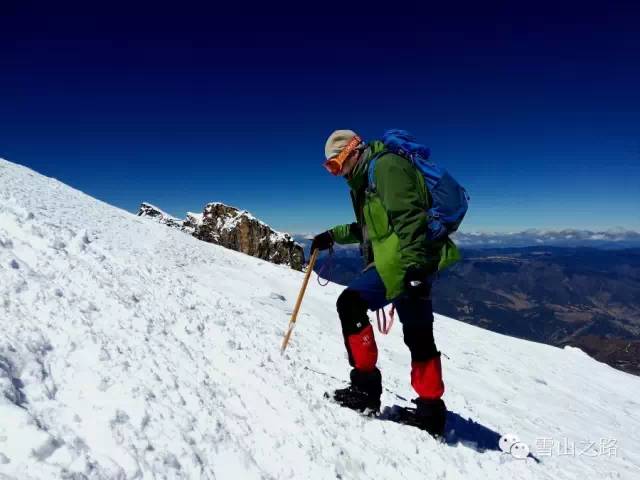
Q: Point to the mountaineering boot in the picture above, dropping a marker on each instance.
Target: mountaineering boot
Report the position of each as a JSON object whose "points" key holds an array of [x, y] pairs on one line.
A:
{"points": [[431, 415], [426, 379], [363, 394]]}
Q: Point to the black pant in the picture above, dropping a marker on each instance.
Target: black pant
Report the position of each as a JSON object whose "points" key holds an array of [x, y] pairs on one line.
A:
{"points": [[367, 292]]}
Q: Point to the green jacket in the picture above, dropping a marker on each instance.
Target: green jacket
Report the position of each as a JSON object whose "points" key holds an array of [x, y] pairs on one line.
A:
{"points": [[391, 222]]}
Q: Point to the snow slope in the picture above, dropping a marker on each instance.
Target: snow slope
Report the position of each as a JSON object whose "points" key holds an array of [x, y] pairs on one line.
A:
{"points": [[130, 350]]}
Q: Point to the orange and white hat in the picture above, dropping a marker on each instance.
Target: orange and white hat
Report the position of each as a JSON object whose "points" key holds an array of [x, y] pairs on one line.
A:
{"points": [[339, 146]]}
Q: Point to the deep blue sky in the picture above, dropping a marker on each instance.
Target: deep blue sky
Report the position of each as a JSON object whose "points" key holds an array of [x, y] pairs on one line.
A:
{"points": [[534, 107]]}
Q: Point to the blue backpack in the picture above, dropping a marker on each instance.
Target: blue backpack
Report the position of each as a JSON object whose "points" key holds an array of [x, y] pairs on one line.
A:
{"points": [[449, 198]]}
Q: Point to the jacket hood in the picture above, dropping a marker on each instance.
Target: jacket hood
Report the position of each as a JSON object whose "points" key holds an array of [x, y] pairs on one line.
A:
{"points": [[358, 178]]}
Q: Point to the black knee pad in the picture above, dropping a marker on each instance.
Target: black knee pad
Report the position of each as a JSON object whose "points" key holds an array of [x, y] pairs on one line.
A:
{"points": [[419, 339], [352, 310]]}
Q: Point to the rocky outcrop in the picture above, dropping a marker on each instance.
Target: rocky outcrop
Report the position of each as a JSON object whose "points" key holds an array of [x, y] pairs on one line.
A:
{"points": [[235, 229], [241, 231]]}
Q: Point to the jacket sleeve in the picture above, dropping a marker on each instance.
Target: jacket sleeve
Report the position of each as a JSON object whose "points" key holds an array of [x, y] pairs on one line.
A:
{"points": [[404, 197], [347, 233]]}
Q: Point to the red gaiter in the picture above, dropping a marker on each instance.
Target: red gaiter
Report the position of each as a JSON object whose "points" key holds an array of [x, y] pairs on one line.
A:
{"points": [[364, 350], [426, 378]]}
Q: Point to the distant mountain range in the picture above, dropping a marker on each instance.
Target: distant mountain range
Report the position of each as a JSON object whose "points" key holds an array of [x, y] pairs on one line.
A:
{"points": [[610, 239], [615, 238], [584, 297]]}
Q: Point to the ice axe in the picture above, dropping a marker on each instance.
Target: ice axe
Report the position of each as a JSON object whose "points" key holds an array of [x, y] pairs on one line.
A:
{"points": [[294, 315]]}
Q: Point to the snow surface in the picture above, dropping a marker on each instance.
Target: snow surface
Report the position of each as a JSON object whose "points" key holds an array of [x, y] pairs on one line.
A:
{"points": [[130, 350]]}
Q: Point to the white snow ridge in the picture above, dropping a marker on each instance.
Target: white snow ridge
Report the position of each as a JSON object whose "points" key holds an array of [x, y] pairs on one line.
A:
{"points": [[132, 351]]}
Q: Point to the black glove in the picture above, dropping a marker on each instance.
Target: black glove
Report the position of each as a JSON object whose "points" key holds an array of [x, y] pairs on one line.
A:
{"points": [[322, 241], [416, 281]]}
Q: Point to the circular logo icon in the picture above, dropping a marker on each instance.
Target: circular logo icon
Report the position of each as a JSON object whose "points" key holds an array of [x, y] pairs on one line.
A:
{"points": [[507, 441], [512, 445], [519, 450]]}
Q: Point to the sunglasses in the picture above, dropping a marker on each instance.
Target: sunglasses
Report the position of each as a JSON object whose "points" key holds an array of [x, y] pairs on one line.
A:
{"points": [[334, 164]]}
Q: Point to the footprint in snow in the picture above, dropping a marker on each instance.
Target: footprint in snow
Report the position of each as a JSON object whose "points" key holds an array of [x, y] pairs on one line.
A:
{"points": [[275, 300]]}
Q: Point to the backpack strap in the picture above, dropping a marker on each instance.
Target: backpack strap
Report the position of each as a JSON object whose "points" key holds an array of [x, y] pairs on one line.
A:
{"points": [[372, 170], [372, 166]]}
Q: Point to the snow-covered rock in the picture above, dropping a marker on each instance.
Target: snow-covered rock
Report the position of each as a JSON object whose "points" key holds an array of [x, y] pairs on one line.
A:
{"points": [[192, 222], [239, 230], [130, 350], [151, 211], [235, 229]]}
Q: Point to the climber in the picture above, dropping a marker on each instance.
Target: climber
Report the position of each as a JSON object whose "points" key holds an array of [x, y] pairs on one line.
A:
{"points": [[390, 200]]}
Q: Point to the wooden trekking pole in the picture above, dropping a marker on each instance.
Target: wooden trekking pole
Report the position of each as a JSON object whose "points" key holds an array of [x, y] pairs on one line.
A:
{"points": [[294, 315]]}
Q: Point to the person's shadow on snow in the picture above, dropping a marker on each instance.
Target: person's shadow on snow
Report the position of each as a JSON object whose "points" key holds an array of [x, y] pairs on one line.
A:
{"points": [[470, 434], [473, 435], [460, 431]]}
